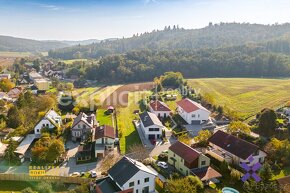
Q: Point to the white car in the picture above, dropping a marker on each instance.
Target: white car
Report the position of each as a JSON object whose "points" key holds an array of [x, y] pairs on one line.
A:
{"points": [[93, 174], [162, 165], [75, 174]]}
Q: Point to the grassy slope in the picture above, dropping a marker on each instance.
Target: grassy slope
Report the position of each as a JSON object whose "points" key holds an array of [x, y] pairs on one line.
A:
{"points": [[103, 118], [15, 54], [246, 96], [125, 117]]}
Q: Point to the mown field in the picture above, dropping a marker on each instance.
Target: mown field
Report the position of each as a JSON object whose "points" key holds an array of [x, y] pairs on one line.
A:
{"points": [[245, 96]]}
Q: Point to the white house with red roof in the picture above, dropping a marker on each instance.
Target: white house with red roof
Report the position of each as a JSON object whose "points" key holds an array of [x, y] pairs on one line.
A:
{"points": [[192, 112], [159, 108]]}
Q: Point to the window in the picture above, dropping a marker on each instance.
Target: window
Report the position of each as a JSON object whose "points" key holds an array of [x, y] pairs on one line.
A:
{"points": [[43, 125], [153, 129], [37, 130], [198, 115], [256, 153], [181, 160], [47, 124], [193, 115], [136, 191], [146, 180], [79, 126], [203, 163], [131, 184], [138, 182]]}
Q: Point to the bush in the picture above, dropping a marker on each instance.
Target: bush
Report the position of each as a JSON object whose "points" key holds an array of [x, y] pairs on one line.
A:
{"points": [[163, 157], [27, 190]]}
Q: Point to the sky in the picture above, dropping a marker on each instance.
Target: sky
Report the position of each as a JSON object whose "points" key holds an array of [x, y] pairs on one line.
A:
{"points": [[102, 19]]}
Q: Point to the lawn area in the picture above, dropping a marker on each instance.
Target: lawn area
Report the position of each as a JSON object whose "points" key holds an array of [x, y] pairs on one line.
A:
{"points": [[15, 186], [103, 118], [246, 96], [74, 60], [125, 117], [171, 103], [15, 54]]}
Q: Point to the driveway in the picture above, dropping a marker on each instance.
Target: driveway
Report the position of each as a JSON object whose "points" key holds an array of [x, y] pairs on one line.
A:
{"points": [[73, 148], [193, 129], [163, 147]]}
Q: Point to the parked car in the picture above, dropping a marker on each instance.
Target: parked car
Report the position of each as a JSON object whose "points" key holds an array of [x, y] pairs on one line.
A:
{"points": [[93, 174], [75, 174], [162, 165]]}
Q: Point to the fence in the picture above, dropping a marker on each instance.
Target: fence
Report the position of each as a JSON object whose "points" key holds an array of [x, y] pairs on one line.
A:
{"points": [[26, 177]]}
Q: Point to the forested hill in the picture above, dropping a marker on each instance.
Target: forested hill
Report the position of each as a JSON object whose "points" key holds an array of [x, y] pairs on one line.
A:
{"points": [[171, 38], [8, 43]]}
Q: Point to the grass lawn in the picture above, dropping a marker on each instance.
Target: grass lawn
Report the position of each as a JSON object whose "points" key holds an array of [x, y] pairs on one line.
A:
{"points": [[246, 96], [74, 60], [15, 186], [125, 117], [103, 118], [15, 54], [172, 103]]}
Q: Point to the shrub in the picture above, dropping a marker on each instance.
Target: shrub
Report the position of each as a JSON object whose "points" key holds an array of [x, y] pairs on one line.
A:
{"points": [[163, 157]]}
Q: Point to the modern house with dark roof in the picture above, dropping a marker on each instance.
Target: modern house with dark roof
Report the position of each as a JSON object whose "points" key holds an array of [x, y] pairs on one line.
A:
{"points": [[84, 152], [83, 126], [234, 150], [151, 126], [104, 139], [159, 108], [50, 121], [189, 161], [129, 176], [192, 112]]}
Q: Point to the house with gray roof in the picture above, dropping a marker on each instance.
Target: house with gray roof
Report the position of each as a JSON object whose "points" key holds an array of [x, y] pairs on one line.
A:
{"points": [[128, 175], [83, 126], [151, 126]]}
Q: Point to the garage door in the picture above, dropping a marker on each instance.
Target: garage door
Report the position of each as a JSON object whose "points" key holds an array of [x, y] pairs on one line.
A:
{"points": [[195, 122]]}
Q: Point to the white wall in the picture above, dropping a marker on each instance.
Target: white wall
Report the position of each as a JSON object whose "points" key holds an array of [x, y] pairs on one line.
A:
{"points": [[141, 175], [81, 127], [198, 115], [159, 113], [39, 126], [147, 132]]}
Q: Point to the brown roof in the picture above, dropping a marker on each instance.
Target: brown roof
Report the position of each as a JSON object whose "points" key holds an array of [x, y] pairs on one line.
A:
{"points": [[284, 183], [159, 106], [105, 131], [189, 106], [233, 144], [207, 173], [187, 153]]}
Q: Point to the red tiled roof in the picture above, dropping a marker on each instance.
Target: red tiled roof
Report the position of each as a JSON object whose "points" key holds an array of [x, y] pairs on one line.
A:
{"points": [[187, 153], [232, 144], [189, 106], [105, 131], [159, 106]]}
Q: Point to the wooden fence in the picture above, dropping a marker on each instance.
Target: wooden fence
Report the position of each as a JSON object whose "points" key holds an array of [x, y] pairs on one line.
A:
{"points": [[26, 177]]}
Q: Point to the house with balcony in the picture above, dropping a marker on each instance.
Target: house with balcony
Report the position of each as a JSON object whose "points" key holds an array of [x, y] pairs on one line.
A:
{"points": [[224, 146], [50, 120], [128, 176], [189, 161], [192, 112], [83, 126], [104, 139], [151, 126]]}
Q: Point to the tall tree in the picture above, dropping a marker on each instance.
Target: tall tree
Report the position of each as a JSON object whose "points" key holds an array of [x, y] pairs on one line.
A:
{"points": [[267, 121]]}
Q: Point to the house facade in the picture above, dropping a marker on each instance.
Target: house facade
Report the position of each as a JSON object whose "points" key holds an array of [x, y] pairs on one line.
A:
{"points": [[159, 108], [83, 126], [151, 126], [235, 150], [50, 120], [192, 112], [129, 176], [184, 158], [104, 139]]}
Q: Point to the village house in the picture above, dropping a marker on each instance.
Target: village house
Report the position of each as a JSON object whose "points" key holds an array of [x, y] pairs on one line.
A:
{"points": [[14, 93], [42, 84], [159, 108], [192, 112], [84, 152], [23, 149], [50, 121], [151, 126], [5, 76], [104, 139], [189, 161], [128, 176], [234, 150], [83, 126]]}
